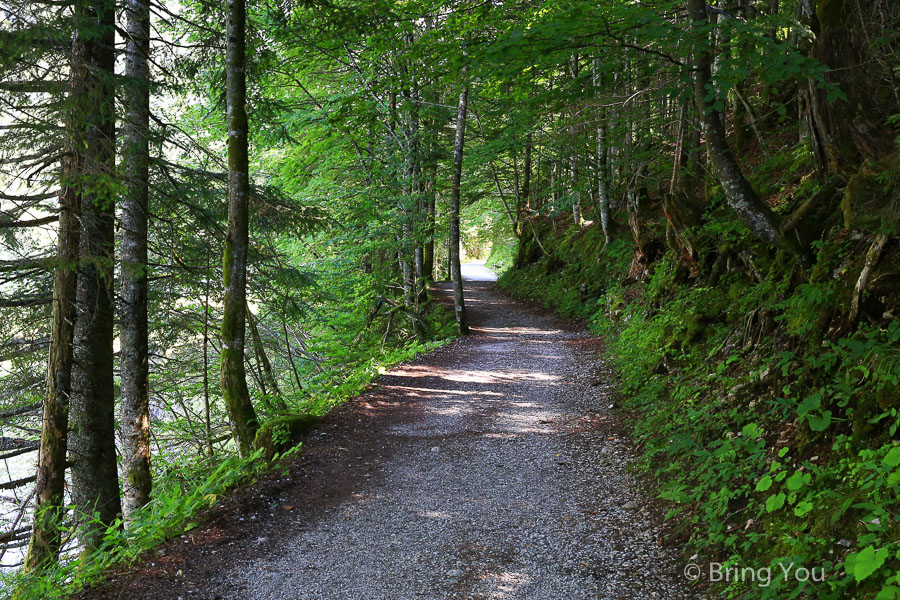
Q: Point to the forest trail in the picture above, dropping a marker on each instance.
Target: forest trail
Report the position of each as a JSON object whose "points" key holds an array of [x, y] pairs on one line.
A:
{"points": [[490, 469]]}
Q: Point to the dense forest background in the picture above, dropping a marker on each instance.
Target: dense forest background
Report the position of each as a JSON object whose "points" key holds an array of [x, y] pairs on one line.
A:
{"points": [[219, 220]]}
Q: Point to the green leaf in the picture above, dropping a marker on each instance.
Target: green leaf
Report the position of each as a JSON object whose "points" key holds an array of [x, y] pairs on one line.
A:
{"points": [[763, 484], [775, 502], [797, 481], [862, 564], [893, 457], [803, 508], [820, 422], [810, 403], [750, 431]]}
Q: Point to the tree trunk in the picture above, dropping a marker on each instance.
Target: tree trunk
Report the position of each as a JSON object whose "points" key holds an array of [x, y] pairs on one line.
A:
{"points": [[602, 170], [573, 157], [135, 394], [459, 303], [852, 129], [43, 549], [233, 377], [268, 375], [421, 279], [526, 179], [430, 201], [92, 448], [751, 211]]}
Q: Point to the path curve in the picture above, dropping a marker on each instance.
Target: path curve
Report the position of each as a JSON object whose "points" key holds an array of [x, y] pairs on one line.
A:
{"points": [[490, 469]]}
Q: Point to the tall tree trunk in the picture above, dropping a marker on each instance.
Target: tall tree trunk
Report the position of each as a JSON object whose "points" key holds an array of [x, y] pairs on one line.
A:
{"points": [[576, 196], [751, 211], [92, 448], [602, 191], [421, 279], [135, 393], [573, 156], [49, 505], [526, 180], [413, 232], [459, 302], [430, 201], [233, 377]]}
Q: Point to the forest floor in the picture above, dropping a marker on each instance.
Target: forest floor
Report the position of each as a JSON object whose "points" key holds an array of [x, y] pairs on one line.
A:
{"points": [[492, 468]]}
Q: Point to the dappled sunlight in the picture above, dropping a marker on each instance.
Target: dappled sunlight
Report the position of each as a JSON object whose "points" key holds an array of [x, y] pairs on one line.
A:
{"points": [[532, 422], [463, 376], [507, 583], [499, 377], [417, 391], [518, 330], [435, 514]]}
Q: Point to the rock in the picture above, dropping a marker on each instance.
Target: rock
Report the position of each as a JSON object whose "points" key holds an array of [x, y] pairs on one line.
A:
{"points": [[436, 449]]}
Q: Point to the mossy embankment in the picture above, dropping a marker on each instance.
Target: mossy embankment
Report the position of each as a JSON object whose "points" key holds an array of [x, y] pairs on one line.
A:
{"points": [[763, 394]]}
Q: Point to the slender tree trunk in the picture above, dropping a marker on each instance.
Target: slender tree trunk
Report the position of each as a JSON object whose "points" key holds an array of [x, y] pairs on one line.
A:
{"points": [[526, 179], [290, 355], [459, 303], [573, 157], [262, 360], [742, 198], [430, 201], [233, 377], [134, 367], [602, 192], [421, 280], [576, 196], [92, 448], [630, 166]]}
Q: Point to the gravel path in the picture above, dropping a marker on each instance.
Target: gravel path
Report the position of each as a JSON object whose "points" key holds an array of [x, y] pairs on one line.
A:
{"points": [[490, 469]]}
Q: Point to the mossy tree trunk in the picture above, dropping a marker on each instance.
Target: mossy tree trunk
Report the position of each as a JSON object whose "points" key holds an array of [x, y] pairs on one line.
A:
{"points": [[135, 393], [459, 302], [233, 377], [43, 549], [92, 448], [852, 128]]}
